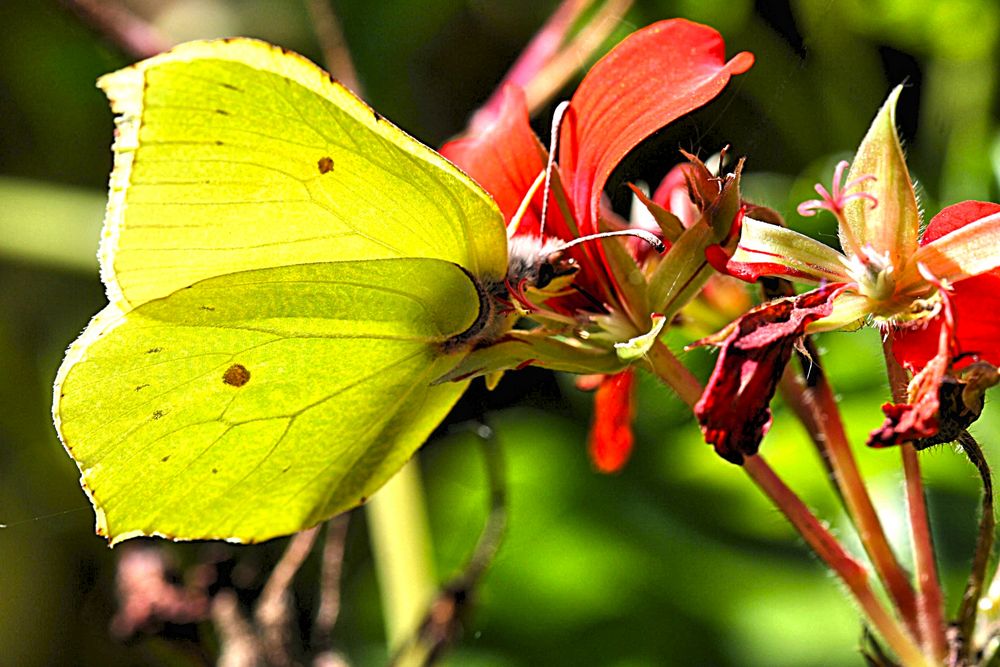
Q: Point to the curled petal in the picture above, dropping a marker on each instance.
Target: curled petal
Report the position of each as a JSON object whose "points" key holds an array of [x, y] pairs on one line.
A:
{"points": [[611, 436], [653, 77], [733, 411], [918, 420], [939, 417]]}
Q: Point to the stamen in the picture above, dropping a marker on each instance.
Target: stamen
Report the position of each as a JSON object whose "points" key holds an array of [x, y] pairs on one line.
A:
{"points": [[557, 118], [837, 201]]}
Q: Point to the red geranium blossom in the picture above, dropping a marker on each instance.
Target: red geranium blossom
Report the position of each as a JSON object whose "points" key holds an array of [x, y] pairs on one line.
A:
{"points": [[932, 293], [650, 79]]}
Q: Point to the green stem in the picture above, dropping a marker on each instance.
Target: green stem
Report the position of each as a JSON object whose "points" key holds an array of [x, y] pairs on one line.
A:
{"points": [[969, 608], [930, 600], [815, 405], [826, 546], [400, 540]]}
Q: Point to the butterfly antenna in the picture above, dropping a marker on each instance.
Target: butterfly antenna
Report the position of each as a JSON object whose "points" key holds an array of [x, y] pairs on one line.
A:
{"points": [[557, 118], [648, 237], [515, 221]]}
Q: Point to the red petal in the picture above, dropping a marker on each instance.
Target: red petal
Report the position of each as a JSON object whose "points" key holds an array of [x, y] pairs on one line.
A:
{"points": [[653, 77], [957, 215], [976, 304], [504, 158], [733, 411], [611, 432], [975, 301]]}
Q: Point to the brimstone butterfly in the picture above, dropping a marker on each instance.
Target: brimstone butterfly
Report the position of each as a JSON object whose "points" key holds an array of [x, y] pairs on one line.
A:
{"points": [[288, 274]]}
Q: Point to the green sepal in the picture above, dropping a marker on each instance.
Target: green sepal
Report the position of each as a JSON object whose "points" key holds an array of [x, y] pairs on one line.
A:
{"points": [[805, 257], [638, 347], [522, 348], [891, 227], [629, 281]]}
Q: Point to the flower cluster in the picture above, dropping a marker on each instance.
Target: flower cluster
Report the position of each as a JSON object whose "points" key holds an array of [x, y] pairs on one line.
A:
{"points": [[650, 79], [929, 293]]}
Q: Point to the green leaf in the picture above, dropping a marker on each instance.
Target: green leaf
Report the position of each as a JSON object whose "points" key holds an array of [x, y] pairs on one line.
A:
{"points": [[683, 271]]}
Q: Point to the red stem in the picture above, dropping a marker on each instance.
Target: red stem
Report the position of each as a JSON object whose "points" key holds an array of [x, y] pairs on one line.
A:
{"points": [[817, 409], [930, 601], [826, 546]]}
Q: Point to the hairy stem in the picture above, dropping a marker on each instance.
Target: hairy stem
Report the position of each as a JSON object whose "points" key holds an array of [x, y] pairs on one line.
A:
{"points": [[930, 600], [674, 374], [984, 547], [826, 546], [813, 401]]}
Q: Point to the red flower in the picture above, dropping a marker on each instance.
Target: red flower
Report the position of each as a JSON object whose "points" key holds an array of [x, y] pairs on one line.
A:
{"points": [[975, 300], [733, 410], [650, 79], [935, 294]]}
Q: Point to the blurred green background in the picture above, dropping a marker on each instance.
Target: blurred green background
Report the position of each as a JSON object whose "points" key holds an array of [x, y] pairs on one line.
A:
{"points": [[678, 559]]}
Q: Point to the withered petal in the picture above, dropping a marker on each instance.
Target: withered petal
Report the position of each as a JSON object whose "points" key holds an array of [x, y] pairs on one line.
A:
{"points": [[734, 411]]}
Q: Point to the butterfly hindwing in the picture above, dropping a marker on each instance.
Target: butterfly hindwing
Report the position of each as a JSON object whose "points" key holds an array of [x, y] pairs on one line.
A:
{"points": [[259, 403]]}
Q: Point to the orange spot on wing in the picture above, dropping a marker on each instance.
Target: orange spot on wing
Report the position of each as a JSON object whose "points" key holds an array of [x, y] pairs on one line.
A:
{"points": [[236, 375]]}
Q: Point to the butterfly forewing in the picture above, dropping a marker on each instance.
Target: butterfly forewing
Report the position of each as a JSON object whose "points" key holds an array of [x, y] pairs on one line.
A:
{"points": [[236, 155]]}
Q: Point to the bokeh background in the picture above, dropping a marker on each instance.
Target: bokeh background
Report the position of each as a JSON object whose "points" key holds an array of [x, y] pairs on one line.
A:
{"points": [[678, 559]]}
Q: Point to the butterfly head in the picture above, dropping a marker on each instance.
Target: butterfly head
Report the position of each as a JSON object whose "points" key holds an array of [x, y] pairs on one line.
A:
{"points": [[538, 262]]}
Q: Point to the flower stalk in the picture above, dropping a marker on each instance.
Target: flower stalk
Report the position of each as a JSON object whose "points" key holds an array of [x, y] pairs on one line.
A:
{"points": [[671, 372], [830, 550], [930, 600], [816, 407]]}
